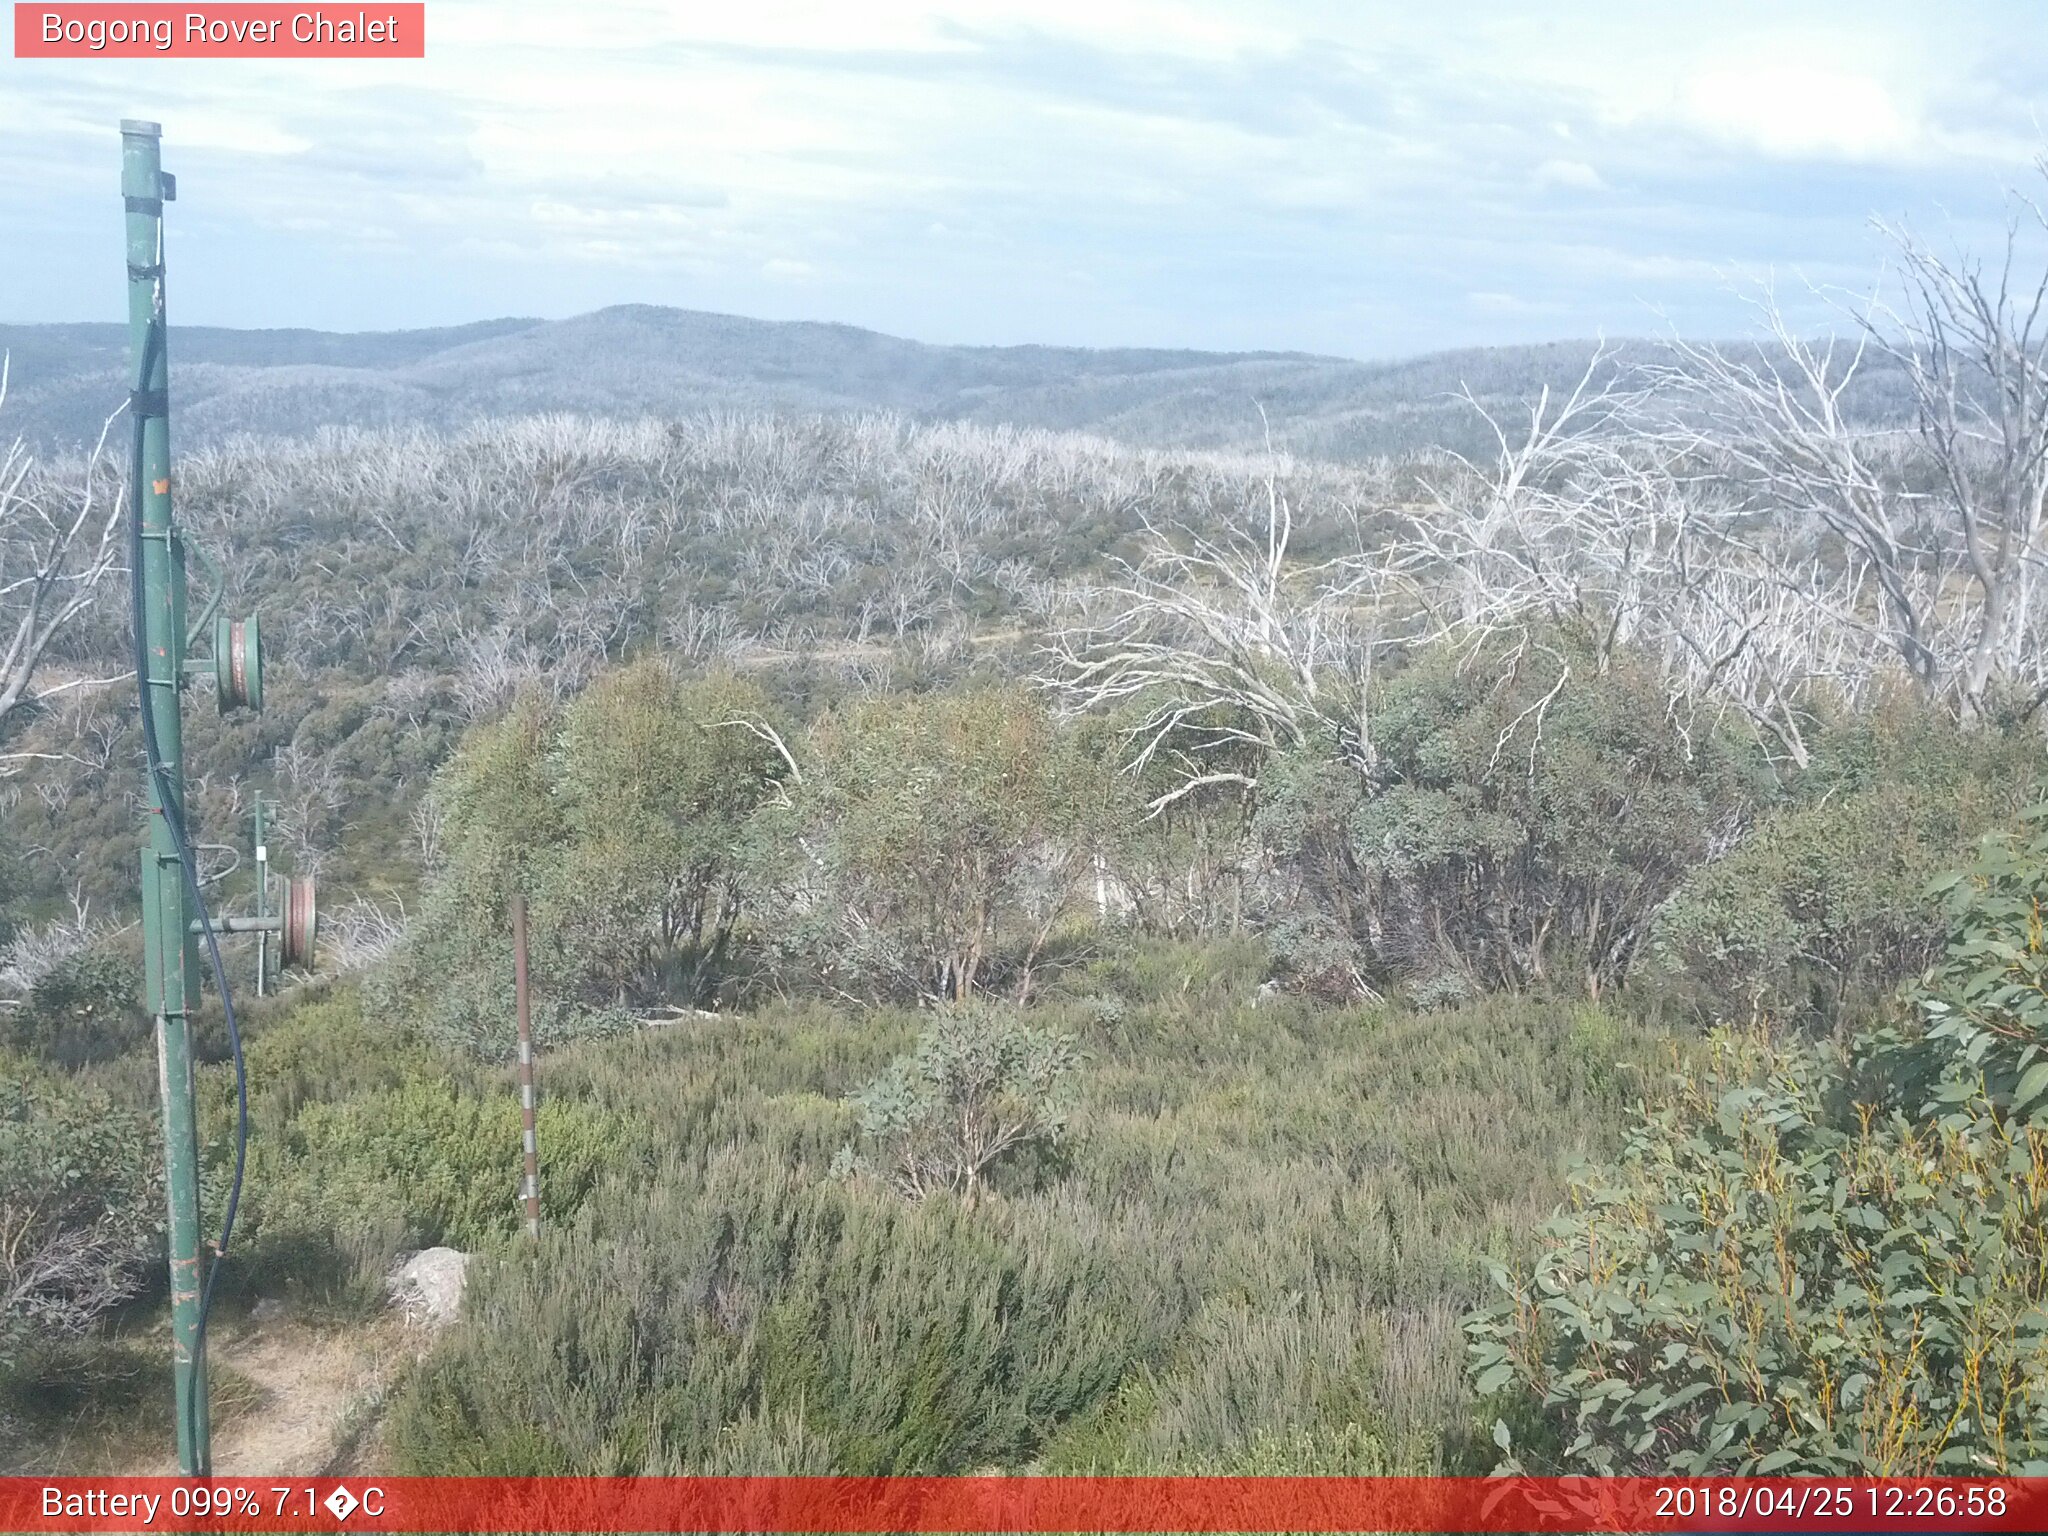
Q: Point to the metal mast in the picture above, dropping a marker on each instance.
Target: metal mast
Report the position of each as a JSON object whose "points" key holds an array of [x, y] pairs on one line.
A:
{"points": [[171, 969], [173, 918]]}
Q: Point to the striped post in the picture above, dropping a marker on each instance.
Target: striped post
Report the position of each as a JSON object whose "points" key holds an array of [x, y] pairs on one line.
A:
{"points": [[530, 1189]]}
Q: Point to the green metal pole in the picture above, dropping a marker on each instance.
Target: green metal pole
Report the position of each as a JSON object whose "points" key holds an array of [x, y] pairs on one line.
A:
{"points": [[171, 961]]}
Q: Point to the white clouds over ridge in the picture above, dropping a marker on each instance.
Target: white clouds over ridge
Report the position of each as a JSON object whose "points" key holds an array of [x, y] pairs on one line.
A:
{"points": [[1339, 177]]}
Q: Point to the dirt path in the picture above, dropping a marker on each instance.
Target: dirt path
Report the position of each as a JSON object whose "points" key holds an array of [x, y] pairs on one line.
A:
{"points": [[305, 1398]]}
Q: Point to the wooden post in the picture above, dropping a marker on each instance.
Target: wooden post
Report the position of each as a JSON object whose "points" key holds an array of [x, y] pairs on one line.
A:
{"points": [[530, 1189]]}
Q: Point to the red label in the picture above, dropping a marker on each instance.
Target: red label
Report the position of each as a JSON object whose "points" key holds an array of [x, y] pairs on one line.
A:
{"points": [[1023, 1504], [236, 31]]}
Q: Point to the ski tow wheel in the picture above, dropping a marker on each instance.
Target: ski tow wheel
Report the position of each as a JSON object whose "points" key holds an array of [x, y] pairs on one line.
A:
{"points": [[238, 664], [301, 923]]}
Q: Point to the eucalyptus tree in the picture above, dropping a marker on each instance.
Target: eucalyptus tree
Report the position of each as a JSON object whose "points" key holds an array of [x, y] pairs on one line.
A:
{"points": [[949, 836]]}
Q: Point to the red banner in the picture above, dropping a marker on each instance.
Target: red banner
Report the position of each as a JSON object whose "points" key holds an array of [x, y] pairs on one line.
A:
{"points": [[1024, 1504], [235, 31]]}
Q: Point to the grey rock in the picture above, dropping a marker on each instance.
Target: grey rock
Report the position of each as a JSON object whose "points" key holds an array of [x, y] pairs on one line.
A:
{"points": [[427, 1286]]}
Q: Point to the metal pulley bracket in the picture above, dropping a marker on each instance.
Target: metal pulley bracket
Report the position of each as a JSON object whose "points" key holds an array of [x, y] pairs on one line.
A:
{"points": [[217, 587]]}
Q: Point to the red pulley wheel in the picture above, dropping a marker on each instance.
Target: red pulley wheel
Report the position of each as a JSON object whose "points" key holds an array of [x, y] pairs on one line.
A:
{"points": [[238, 664], [301, 923]]}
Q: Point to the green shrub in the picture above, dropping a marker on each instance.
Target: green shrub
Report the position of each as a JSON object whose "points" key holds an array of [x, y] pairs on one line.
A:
{"points": [[449, 1161], [1215, 971], [628, 820], [80, 1204], [86, 1008], [1776, 1279], [1815, 1261], [981, 1088], [1981, 1032], [1325, 1385], [443, 1162], [1822, 908], [658, 783], [1254, 1260], [365, 1142], [906, 1338], [951, 836], [1524, 813]]}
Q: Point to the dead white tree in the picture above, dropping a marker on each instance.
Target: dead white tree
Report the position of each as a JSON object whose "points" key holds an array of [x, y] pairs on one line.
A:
{"points": [[1944, 520], [1223, 642], [1617, 508], [309, 792], [359, 934], [429, 828], [1772, 419], [1575, 517], [1750, 631], [1500, 542], [54, 552], [1973, 342], [37, 950], [495, 666]]}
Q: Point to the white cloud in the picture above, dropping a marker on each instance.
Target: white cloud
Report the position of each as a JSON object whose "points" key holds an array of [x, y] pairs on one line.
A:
{"points": [[1801, 109], [1573, 174], [1179, 171]]}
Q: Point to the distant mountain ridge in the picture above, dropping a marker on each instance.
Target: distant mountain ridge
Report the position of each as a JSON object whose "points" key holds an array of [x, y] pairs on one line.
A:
{"points": [[637, 360]]}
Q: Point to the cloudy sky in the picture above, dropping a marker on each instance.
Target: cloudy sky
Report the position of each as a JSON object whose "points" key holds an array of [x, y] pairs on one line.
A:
{"points": [[1345, 177]]}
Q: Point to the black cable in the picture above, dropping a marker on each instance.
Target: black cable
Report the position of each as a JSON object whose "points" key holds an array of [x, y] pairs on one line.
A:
{"points": [[174, 822]]}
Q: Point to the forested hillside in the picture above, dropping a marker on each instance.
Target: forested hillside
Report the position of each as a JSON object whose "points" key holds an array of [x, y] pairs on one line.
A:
{"points": [[634, 360]]}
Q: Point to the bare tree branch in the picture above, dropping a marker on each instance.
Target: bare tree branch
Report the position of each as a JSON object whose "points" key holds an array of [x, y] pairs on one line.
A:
{"points": [[54, 552]]}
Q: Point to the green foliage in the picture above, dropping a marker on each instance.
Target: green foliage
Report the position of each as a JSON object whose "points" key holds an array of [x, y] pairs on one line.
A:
{"points": [[1254, 1260], [327, 749], [953, 833], [447, 1163], [1205, 975], [629, 820], [501, 818], [1822, 907], [658, 784], [322, 1051], [1184, 863], [980, 1088], [1814, 1261], [1524, 814], [80, 1204], [1982, 1031], [85, 1008], [366, 1144], [900, 1338], [1775, 1279], [1338, 1387]]}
